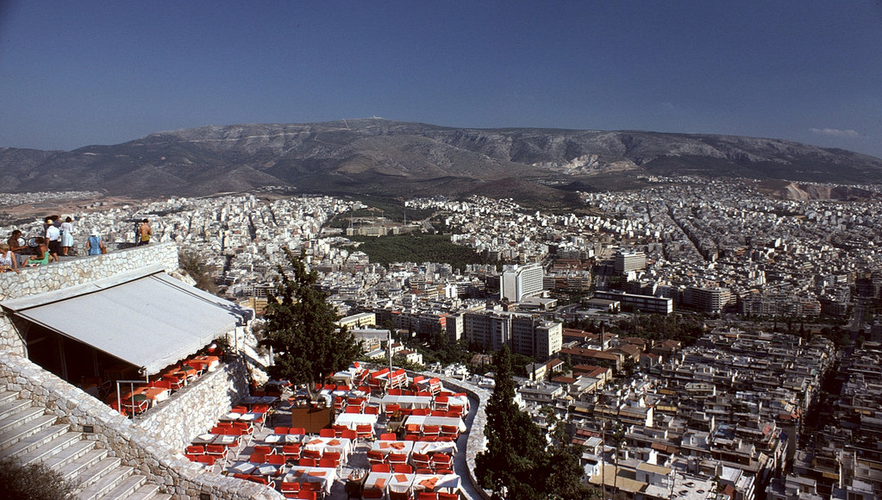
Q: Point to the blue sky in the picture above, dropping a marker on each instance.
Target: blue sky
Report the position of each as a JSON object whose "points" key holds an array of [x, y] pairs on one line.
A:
{"points": [[91, 72]]}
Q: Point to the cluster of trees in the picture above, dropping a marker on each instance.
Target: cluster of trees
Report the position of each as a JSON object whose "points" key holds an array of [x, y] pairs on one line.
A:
{"points": [[686, 328], [418, 247], [519, 462]]}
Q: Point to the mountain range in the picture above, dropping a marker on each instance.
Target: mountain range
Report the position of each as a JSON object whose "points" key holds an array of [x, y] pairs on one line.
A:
{"points": [[399, 159]]}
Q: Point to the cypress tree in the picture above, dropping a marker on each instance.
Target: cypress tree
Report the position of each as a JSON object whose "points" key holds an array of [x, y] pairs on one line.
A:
{"points": [[301, 327]]}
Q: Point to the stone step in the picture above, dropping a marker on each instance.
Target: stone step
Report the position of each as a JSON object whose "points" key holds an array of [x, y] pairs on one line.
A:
{"points": [[126, 489], [105, 484], [146, 492], [69, 454], [75, 468], [30, 436], [6, 396], [12, 406], [50, 448], [14, 419], [161, 496], [87, 476]]}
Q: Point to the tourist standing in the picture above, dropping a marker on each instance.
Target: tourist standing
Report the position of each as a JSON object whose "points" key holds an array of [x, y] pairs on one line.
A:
{"points": [[144, 232], [67, 240]]}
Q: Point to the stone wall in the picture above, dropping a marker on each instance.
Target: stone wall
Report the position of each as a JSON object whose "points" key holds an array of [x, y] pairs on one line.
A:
{"points": [[476, 442], [76, 271], [196, 408], [172, 472]]}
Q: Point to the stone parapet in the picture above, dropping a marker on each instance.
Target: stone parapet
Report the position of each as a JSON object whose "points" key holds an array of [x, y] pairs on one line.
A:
{"points": [[197, 407], [151, 457]]}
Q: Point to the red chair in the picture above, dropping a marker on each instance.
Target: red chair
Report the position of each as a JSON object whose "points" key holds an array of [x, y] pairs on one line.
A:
{"points": [[365, 431], [333, 455], [449, 431], [265, 449], [307, 462], [276, 459], [306, 494], [216, 450], [431, 430], [262, 480], [375, 457], [421, 460], [289, 490], [330, 463], [395, 495], [442, 461], [381, 468], [447, 496], [427, 495], [402, 469], [191, 458], [195, 449], [327, 433], [280, 430], [240, 410], [206, 459], [411, 437], [299, 431], [243, 427], [372, 410], [314, 454], [397, 458], [388, 436], [353, 409], [225, 425], [291, 451], [338, 430], [349, 434], [391, 409], [372, 493], [257, 458]]}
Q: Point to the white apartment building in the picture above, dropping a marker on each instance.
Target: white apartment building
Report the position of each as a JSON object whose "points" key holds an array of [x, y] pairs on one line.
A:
{"points": [[518, 282]]}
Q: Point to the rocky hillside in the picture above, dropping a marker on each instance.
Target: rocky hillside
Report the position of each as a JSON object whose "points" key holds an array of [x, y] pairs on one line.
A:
{"points": [[381, 157]]}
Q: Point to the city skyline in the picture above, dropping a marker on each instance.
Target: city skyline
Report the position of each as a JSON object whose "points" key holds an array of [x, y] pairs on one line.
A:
{"points": [[111, 73]]}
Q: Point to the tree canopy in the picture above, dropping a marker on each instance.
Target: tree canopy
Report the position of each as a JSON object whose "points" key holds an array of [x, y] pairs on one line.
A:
{"points": [[518, 463], [301, 327]]}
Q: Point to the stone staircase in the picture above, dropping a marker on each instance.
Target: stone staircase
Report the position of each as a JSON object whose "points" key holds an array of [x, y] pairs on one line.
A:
{"points": [[29, 435]]}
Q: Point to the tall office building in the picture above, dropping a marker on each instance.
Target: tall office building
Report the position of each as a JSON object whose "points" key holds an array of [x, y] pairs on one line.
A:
{"points": [[526, 334], [629, 261], [518, 282]]}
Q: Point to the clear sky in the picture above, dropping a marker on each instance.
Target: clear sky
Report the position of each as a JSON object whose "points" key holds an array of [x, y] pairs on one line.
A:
{"points": [[76, 73]]}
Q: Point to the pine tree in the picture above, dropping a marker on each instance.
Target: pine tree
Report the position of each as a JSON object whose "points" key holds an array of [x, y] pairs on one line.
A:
{"points": [[301, 328]]}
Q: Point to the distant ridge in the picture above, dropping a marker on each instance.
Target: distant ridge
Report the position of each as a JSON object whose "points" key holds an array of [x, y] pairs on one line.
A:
{"points": [[388, 158]]}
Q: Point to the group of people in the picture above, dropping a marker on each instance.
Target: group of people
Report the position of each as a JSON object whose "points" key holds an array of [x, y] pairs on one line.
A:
{"points": [[57, 239]]}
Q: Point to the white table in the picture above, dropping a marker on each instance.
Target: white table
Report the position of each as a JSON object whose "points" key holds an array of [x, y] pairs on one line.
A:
{"points": [[351, 420], [406, 401], [427, 448], [280, 439], [241, 468], [422, 421], [324, 475], [343, 446], [391, 481], [387, 447], [450, 482]]}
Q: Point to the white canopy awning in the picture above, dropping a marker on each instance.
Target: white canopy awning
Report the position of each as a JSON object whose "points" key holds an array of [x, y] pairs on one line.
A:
{"points": [[148, 319]]}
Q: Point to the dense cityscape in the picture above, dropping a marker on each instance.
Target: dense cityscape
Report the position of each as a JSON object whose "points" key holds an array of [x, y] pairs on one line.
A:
{"points": [[774, 393]]}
